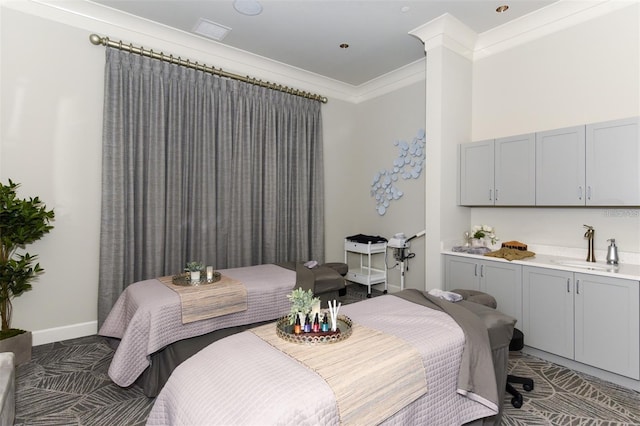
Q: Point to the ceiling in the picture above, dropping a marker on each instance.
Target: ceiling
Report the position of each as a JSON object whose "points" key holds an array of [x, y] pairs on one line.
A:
{"points": [[307, 34]]}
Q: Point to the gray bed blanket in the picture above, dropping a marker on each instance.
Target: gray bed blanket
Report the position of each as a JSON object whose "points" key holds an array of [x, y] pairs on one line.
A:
{"points": [[148, 316], [244, 380], [477, 377]]}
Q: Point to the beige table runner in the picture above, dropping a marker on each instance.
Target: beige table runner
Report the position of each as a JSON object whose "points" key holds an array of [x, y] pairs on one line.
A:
{"points": [[209, 300], [372, 374]]}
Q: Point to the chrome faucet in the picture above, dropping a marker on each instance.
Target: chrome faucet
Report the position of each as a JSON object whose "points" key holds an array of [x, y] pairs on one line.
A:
{"points": [[591, 257]]}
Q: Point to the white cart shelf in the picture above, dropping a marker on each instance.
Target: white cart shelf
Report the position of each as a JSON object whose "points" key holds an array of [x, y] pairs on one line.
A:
{"points": [[366, 274]]}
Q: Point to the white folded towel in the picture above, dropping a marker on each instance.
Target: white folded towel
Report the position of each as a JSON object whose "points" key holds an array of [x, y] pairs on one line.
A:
{"points": [[446, 295], [311, 264]]}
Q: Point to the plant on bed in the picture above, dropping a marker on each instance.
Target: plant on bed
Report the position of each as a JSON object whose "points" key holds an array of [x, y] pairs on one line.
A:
{"points": [[21, 222], [301, 302]]}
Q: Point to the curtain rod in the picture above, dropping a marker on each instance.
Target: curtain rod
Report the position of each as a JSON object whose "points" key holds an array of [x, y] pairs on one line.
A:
{"points": [[97, 40]]}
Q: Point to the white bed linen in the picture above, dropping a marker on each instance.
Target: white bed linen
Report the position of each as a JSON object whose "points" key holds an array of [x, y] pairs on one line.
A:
{"points": [[147, 316], [242, 380]]}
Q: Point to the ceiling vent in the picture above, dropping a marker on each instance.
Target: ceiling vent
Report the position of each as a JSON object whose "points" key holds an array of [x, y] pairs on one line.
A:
{"points": [[211, 30]]}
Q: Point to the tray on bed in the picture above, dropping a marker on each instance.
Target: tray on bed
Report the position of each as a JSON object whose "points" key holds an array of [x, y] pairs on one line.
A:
{"points": [[284, 330]]}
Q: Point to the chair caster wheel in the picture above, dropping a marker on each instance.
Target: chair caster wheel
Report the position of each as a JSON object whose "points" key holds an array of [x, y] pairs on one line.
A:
{"points": [[384, 292], [368, 295], [516, 401], [527, 387]]}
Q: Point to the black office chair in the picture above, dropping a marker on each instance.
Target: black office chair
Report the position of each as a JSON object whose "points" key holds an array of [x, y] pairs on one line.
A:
{"points": [[517, 343]]}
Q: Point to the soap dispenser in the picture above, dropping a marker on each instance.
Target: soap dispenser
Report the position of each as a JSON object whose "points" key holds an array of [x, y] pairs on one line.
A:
{"points": [[612, 252]]}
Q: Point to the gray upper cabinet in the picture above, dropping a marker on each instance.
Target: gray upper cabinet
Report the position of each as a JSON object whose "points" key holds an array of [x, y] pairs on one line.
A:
{"points": [[498, 172], [515, 168], [560, 167], [593, 165], [589, 165], [476, 173], [613, 163]]}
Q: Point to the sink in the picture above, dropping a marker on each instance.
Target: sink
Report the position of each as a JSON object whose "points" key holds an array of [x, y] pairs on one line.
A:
{"points": [[585, 265]]}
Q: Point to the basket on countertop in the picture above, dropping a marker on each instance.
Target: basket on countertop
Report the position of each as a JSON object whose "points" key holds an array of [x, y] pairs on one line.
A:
{"points": [[515, 245]]}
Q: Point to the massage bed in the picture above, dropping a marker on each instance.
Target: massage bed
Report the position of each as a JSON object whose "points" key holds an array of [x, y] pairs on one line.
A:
{"points": [[153, 337], [411, 359]]}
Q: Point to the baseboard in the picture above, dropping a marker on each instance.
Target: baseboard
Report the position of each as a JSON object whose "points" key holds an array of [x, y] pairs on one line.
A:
{"points": [[57, 334]]}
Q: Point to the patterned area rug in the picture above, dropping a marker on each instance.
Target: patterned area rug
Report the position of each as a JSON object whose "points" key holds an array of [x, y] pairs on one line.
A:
{"points": [[66, 383], [562, 396]]}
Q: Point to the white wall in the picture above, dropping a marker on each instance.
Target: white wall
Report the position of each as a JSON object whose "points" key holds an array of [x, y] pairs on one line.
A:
{"points": [[586, 73], [51, 84], [377, 124]]}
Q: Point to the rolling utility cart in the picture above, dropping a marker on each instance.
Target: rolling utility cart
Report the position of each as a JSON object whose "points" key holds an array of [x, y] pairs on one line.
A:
{"points": [[366, 246]]}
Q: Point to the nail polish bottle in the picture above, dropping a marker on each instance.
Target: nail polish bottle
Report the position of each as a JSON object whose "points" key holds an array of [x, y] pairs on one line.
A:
{"points": [[325, 323], [297, 327], [316, 324], [307, 324]]}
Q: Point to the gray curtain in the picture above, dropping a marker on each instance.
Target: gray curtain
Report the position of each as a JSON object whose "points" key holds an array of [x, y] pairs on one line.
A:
{"points": [[198, 167]]}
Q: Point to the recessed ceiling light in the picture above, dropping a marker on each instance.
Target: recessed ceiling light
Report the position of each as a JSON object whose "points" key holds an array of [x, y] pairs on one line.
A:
{"points": [[211, 29], [344, 46], [248, 7], [503, 8]]}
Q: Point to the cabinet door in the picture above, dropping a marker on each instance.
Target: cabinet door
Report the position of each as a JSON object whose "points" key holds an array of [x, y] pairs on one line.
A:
{"points": [[476, 174], [515, 172], [547, 310], [503, 281], [613, 163], [560, 167], [606, 324], [461, 272]]}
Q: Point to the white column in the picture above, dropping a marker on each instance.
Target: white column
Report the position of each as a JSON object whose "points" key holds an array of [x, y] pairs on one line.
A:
{"points": [[449, 47]]}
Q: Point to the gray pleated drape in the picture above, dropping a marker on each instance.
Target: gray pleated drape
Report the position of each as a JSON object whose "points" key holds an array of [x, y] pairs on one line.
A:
{"points": [[201, 168]]}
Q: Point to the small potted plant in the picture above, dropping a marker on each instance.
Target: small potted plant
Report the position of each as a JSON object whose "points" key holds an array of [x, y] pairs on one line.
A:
{"points": [[302, 303], [480, 233], [22, 222], [194, 269]]}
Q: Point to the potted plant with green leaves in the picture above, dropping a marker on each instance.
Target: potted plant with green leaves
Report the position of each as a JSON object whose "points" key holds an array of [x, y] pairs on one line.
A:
{"points": [[302, 303], [22, 222], [194, 269]]}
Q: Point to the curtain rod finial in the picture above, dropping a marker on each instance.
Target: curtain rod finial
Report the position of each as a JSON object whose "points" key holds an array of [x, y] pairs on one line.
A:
{"points": [[95, 39]]}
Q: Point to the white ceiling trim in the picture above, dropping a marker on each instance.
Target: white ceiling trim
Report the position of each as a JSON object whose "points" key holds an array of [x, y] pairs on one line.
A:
{"points": [[552, 18], [443, 31], [446, 30]]}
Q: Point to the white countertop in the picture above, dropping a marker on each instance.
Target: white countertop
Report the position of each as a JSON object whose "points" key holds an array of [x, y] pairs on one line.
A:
{"points": [[627, 271]]}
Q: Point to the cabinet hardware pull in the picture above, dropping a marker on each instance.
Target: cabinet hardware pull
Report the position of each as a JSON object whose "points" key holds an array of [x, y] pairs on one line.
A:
{"points": [[490, 194], [482, 271], [577, 286], [496, 194], [589, 192], [580, 193], [568, 290], [475, 270]]}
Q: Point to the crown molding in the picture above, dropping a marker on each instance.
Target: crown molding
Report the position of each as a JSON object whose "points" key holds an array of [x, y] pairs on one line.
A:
{"points": [[550, 19], [117, 25], [446, 31]]}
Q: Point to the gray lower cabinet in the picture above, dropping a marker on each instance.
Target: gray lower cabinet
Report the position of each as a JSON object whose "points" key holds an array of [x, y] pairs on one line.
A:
{"points": [[500, 279], [588, 318]]}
